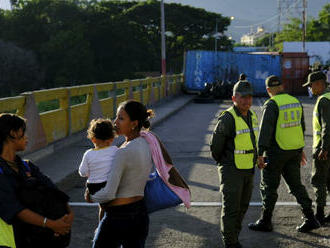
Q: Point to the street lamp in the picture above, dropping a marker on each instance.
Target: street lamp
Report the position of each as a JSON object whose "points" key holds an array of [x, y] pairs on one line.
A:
{"points": [[216, 35], [163, 37]]}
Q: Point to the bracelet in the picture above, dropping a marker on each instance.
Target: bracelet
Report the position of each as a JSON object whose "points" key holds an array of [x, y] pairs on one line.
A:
{"points": [[44, 223]]}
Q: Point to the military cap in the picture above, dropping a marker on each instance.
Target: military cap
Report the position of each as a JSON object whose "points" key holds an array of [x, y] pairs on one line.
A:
{"points": [[315, 76], [243, 87], [272, 81]]}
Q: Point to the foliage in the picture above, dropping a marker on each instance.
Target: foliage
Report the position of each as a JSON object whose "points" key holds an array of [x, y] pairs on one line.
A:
{"points": [[316, 30], [19, 70], [86, 41], [319, 30]]}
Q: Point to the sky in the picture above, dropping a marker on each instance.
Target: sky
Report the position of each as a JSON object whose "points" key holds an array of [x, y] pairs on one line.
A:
{"points": [[248, 14], [251, 13]]}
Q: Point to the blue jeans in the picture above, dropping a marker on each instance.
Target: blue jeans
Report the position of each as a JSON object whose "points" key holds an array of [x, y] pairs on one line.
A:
{"points": [[125, 225]]}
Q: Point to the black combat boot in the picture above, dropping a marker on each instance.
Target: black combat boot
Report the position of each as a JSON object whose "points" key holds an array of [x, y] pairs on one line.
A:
{"points": [[310, 222], [327, 219], [320, 215], [264, 224], [236, 245]]}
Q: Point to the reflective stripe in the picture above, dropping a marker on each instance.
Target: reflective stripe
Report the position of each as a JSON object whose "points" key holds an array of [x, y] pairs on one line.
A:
{"points": [[291, 105], [286, 116], [316, 114], [242, 131], [317, 133], [243, 151], [290, 124], [246, 130]]}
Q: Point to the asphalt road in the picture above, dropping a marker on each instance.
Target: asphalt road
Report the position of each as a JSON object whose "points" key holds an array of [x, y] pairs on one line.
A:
{"points": [[186, 135]]}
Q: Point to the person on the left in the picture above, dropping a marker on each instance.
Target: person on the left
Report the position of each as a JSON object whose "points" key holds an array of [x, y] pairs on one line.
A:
{"points": [[12, 212]]}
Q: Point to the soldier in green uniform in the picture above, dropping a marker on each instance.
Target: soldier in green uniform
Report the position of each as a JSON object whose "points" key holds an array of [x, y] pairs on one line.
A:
{"points": [[233, 146], [321, 142], [281, 138]]}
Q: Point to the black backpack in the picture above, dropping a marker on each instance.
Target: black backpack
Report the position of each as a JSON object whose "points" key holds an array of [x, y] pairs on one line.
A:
{"points": [[46, 201]]}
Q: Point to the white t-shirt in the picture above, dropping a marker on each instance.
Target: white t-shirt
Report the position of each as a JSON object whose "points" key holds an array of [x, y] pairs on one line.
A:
{"points": [[129, 172], [96, 164]]}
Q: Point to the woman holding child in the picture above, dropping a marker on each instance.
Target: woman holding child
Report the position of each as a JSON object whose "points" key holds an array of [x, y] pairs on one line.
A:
{"points": [[126, 220]]}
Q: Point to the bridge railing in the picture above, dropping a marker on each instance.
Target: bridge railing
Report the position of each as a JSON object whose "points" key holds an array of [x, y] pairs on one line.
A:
{"points": [[54, 114]]}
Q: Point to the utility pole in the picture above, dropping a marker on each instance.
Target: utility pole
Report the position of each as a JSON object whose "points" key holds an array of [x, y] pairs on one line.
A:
{"points": [[162, 12], [304, 24], [279, 10], [216, 35]]}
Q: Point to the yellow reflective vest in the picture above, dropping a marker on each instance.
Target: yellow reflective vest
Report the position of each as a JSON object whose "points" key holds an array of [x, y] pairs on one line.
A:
{"points": [[6, 235], [289, 133], [316, 124], [244, 149]]}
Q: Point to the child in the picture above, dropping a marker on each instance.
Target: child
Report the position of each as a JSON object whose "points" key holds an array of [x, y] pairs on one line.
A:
{"points": [[96, 162]]}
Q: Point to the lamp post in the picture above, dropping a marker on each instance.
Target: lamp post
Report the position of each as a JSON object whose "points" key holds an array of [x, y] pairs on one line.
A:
{"points": [[217, 35], [304, 26], [163, 37]]}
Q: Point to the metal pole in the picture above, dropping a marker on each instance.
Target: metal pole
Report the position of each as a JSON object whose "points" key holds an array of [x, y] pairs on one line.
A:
{"points": [[163, 37], [216, 35], [279, 9], [304, 23]]}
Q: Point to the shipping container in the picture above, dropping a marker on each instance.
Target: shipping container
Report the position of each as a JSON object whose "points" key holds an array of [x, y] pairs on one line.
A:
{"points": [[295, 72], [209, 66], [198, 69]]}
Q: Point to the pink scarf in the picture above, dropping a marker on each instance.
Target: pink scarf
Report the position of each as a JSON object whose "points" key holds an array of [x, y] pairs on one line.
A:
{"points": [[163, 168]]}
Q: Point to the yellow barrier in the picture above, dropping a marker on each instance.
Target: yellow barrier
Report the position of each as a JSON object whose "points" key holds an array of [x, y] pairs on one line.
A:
{"points": [[107, 103], [61, 112], [12, 105], [80, 112], [55, 122]]}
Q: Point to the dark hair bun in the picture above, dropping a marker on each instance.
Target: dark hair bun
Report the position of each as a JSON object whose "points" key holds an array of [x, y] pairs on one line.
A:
{"points": [[146, 124]]}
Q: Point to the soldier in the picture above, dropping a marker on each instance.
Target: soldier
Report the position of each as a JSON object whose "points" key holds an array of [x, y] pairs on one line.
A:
{"points": [[282, 139], [233, 146], [321, 142]]}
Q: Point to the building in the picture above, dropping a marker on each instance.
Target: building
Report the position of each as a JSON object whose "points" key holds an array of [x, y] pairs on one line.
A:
{"points": [[251, 38]]}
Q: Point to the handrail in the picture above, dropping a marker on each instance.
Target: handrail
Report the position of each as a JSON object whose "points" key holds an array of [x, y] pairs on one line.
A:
{"points": [[54, 114]]}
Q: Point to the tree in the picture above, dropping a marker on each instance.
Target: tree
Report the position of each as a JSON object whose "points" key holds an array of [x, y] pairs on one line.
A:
{"points": [[86, 41], [319, 30], [188, 27], [19, 70]]}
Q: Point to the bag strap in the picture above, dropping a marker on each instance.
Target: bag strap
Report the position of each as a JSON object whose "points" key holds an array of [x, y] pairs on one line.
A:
{"points": [[26, 165]]}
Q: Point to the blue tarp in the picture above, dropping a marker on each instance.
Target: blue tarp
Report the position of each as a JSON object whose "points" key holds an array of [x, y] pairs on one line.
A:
{"points": [[208, 66]]}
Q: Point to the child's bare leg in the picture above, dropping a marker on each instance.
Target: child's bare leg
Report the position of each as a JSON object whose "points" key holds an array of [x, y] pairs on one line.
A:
{"points": [[101, 212]]}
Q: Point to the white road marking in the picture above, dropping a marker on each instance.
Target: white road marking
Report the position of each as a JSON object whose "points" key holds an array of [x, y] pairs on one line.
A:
{"points": [[195, 204]]}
